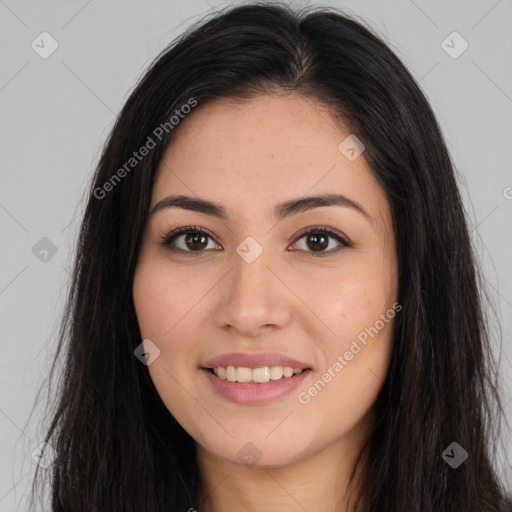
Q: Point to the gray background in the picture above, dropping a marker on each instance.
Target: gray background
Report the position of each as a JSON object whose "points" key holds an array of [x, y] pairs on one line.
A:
{"points": [[56, 113]]}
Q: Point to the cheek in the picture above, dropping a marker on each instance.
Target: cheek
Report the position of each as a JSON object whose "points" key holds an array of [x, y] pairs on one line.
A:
{"points": [[163, 317], [169, 307], [357, 307], [165, 300], [166, 318], [346, 304], [355, 361]]}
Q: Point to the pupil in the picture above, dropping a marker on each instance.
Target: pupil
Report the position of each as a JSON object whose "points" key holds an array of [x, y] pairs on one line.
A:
{"points": [[315, 239], [192, 238]]}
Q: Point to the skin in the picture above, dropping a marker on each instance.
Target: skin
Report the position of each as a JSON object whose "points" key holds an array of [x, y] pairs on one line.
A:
{"points": [[249, 156]]}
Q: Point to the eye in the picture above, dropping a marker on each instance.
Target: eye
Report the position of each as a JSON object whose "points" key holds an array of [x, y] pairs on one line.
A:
{"points": [[195, 239], [317, 239]]}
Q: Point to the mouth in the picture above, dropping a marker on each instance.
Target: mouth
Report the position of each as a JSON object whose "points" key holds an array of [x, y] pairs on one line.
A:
{"points": [[260, 375], [257, 386]]}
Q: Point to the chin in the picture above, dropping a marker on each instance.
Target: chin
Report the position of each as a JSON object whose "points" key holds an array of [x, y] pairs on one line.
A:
{"points": [[257, 452]]}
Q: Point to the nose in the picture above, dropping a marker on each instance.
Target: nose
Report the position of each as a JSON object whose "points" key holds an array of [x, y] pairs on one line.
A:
{"points": [[253, 298]]}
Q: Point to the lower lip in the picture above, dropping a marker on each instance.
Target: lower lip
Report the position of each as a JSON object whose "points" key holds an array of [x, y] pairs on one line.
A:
{"points": [[243, 393]]}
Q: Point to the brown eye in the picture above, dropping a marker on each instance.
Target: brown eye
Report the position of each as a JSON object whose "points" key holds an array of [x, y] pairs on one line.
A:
{"points": [[317, 240], [192, 239], [188, 239], [196, 241]]}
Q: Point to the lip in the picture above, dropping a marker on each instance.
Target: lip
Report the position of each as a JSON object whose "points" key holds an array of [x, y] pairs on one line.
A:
{"points": [[254, 360], [254, 394]]}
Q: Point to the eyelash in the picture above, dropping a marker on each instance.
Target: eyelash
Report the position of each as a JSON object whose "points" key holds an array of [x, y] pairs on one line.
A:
{"points": [[169, 238]]}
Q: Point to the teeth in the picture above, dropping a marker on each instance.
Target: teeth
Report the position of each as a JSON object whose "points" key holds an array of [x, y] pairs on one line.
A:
{"points": [[259, 375], [230, 373], [276, 372], [287, 371], [243, 374]]}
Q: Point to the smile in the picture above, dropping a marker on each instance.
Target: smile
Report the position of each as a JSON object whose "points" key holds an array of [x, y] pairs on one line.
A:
{"points": [[251, 392], [255, 375]]}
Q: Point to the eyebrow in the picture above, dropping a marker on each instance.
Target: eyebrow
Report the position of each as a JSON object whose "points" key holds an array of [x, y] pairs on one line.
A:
{"points": [[281, 211]]}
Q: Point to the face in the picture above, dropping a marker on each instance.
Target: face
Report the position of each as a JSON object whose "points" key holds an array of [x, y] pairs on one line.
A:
{"points": [[257, 283]]}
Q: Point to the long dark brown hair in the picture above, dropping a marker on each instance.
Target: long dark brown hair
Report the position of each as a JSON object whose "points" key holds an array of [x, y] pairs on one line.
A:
{"points": [[119, 448]]}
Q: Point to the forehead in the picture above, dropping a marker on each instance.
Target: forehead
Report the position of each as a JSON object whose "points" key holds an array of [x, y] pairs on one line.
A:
{"points": [[292, 128], [262, 151]]}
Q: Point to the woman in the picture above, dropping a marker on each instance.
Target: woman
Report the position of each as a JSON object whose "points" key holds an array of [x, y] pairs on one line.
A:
{"points": [[275, 301]]}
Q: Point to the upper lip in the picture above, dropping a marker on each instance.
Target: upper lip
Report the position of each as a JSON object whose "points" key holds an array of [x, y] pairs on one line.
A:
{"points": [[254, 360]]}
